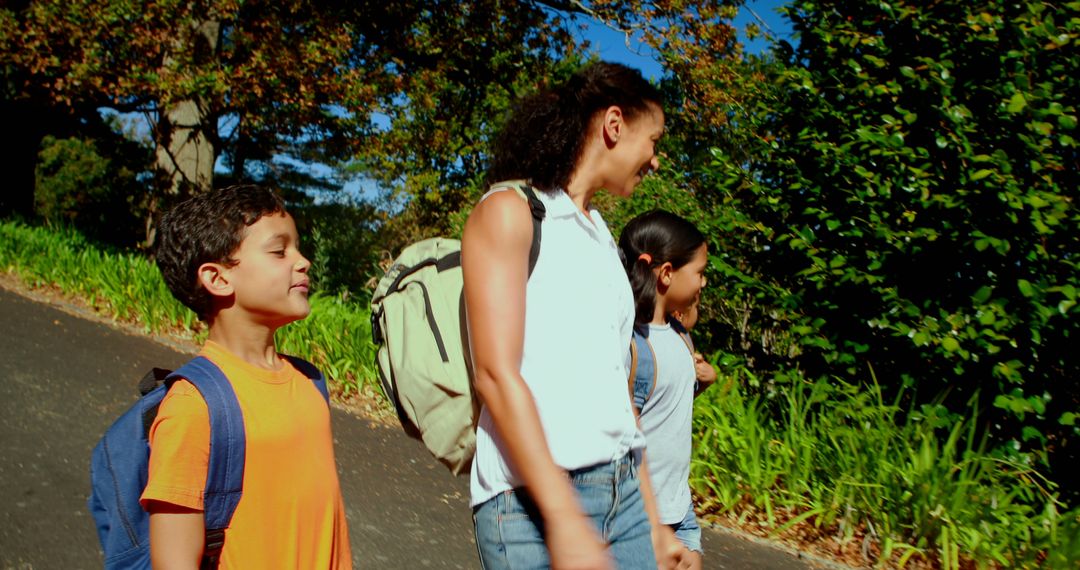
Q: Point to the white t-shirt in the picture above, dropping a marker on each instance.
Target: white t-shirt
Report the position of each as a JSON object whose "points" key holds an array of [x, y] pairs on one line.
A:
{"points": [[666, 420], [579, 313]]}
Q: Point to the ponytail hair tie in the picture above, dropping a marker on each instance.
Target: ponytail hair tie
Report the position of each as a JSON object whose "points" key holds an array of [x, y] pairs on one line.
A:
{"points": [[646, 258]]}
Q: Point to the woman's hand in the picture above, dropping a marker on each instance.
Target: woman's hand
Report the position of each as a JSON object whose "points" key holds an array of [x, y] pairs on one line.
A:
{"points": [[669, 551], [573, 544]]}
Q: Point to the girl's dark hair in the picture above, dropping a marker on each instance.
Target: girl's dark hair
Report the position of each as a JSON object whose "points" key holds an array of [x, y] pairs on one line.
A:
{"points": [[208, 228], [666, 238], [544, 136]]}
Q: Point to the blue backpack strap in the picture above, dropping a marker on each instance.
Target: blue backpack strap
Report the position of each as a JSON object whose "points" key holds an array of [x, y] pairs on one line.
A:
{"points": [[677, 325], [308, 369], [642, 369], [225, 473]]}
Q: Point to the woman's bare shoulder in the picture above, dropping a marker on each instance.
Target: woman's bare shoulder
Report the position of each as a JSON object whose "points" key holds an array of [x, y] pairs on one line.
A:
{"points": [[500, 215]]}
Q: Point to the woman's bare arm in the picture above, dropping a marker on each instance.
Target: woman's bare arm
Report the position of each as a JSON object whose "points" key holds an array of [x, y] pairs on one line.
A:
{"points": [[495, 254]]}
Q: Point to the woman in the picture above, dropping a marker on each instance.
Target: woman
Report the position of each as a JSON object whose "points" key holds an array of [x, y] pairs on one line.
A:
{"points": [[555, 481]]}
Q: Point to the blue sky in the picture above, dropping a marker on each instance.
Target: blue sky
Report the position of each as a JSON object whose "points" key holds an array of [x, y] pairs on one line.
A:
{"points": [[611, 45]]}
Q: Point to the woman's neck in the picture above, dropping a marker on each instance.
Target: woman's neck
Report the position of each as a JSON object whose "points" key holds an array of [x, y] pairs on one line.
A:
{"points": [[586, 179], [581, 195]]}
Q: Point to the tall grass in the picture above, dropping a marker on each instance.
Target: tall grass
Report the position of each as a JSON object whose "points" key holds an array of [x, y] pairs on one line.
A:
{"points": [[892, 484], [128, 287]]}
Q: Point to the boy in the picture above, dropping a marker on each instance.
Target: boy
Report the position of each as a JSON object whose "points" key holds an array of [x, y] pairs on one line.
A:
{"points": [[232, 256]]}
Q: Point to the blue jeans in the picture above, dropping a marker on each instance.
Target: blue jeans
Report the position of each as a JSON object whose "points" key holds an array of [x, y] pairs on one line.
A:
{"points": [[688, 532], [510, 531]]}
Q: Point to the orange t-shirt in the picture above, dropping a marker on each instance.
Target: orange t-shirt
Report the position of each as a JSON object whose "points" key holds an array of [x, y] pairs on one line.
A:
{"points": [[291, 513]]}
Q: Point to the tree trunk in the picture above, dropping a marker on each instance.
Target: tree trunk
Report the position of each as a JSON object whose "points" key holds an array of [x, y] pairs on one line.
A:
{"points": [[185, 148], [186, 131]]}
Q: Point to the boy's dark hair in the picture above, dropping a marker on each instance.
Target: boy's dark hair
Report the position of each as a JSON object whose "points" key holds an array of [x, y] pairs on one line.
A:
{"points": [[666, 238], [544, 136], [208, 228]]}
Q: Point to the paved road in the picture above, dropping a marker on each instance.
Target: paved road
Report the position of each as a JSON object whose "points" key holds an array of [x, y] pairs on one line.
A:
{"points": [[63, 379]]}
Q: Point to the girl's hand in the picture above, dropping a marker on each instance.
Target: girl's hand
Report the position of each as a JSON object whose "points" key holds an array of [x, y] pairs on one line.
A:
{"points": [[573, 544], [705, 372]]}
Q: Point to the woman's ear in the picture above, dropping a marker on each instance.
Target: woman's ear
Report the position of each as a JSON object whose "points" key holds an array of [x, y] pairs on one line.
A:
{"points": [[214, 277], [613, 125]]}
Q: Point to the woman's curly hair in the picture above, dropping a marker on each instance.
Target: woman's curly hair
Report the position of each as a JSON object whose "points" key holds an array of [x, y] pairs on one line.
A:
{"points": [[544, 136]]}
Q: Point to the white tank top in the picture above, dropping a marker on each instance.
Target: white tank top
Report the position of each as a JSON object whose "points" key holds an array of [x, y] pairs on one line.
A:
{"points": [[579, 314]]}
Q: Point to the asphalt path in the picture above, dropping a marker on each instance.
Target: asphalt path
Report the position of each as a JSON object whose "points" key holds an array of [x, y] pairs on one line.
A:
{"points": [[64, 379]]}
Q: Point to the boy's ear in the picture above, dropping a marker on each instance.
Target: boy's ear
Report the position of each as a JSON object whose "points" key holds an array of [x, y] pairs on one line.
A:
{"points": [[214, 277]]}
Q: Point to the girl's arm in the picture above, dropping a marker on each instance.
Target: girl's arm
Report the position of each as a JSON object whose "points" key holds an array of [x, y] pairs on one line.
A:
{"points": [[176, 536], [495, 254], [669, 551], [706, 374]]}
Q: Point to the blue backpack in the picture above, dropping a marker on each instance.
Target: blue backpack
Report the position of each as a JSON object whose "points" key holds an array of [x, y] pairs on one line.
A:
{"points": [[642, 380], [119, 463]]}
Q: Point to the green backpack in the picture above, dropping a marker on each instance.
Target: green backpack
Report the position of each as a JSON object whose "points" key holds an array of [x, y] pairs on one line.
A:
{"points": [[418, 325]]}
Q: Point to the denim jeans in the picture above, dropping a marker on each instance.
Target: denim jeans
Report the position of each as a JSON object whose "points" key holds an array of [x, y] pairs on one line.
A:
{"points": [[688, 531], [510, 531]]}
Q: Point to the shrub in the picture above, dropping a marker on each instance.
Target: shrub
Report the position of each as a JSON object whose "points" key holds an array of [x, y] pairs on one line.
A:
{"points": [[98, 194]]}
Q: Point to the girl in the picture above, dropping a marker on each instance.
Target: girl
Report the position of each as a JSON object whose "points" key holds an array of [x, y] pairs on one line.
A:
{"points": [[555, 480], [665, 260]]}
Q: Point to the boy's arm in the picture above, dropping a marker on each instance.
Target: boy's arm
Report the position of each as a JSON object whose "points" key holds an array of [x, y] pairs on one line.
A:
{"points": [[179, 456], [176, 536]]}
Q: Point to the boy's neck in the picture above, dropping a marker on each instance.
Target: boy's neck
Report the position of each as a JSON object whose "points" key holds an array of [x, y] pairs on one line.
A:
{"points": [[250, 342]]}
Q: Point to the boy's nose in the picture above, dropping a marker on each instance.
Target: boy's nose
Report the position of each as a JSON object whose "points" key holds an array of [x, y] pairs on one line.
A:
{"points": [[302, 264]]}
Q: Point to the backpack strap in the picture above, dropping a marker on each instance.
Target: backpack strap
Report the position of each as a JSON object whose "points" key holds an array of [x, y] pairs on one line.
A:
{"points": [[539, 211], [642, 380], [683, 333], [311, 371], [225, 472]]}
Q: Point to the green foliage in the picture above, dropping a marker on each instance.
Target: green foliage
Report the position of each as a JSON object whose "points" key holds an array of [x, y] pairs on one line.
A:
{"points": [[916, 482], [127, 287], [403, 93], [98, 194], [339, 240], [906, 202]]}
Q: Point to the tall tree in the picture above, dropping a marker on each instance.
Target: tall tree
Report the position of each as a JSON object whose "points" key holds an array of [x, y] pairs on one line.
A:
{"points": [[275, 68]]}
